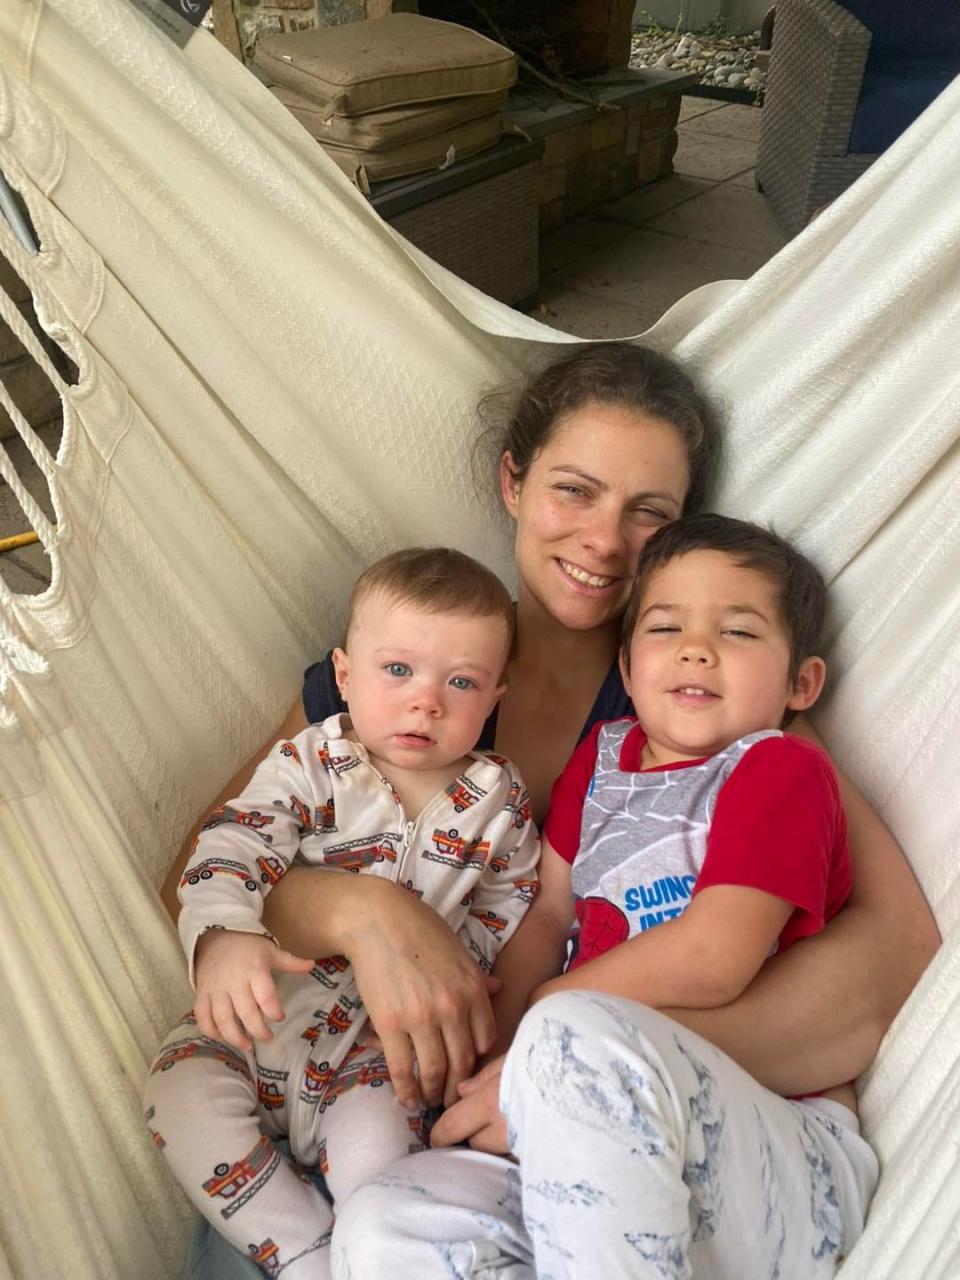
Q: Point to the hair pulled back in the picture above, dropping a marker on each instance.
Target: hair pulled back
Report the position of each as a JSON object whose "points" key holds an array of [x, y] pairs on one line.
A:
{"points": [[617, 373]]}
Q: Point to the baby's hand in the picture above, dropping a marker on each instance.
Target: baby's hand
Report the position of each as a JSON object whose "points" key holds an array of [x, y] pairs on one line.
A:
{"points": [[235, 988]]}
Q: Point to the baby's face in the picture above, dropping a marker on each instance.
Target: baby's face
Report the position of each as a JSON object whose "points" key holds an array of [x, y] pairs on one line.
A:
{"points": [[419, 685], [709, 657]]}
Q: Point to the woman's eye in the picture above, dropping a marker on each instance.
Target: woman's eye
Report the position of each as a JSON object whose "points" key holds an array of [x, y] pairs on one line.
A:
{"points": [[398, 669], [573, 489], [463, 682], [649, 515]]}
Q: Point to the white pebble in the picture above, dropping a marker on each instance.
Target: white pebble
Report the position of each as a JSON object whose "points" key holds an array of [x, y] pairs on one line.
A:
{"points": [[735, 78], [665, 60]]}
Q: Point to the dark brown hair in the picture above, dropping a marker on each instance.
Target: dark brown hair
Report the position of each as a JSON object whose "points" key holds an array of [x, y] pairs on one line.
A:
{"points": [[437, 580], [619, 373], [801, 591]]}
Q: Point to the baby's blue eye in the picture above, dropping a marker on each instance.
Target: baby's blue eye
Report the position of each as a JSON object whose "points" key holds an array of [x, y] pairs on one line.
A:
{"points": [[462, 682], [398, 669]]}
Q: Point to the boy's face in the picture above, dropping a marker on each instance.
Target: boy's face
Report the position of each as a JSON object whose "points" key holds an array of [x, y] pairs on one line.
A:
{"points": [[710, 658], [419, 685]]}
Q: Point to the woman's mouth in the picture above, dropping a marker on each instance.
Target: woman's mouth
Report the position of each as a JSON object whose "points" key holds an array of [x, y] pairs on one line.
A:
{"points": [[598, 581]]}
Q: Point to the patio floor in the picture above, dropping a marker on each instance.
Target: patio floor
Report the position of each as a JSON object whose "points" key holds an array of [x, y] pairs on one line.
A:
{"points": [[609, 274], [613, 272]]}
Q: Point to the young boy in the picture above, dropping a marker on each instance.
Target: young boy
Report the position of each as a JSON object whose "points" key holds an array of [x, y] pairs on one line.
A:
{"points": [[690, 844], [703, 790], [394, 789]]}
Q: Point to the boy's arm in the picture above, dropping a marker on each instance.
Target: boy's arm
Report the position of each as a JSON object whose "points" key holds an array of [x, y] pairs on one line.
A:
{"points": [[244, 847], [704, 958], [536, 951]]}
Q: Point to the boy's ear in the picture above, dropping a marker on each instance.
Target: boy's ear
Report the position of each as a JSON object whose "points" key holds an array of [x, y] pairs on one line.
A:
{"points": [[509, 483], [341, 671], [624, 672], [808, 684]]}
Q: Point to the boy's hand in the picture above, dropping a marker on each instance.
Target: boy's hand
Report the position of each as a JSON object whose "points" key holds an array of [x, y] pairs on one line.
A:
{"points": [[477, 1117], [235, 988]]}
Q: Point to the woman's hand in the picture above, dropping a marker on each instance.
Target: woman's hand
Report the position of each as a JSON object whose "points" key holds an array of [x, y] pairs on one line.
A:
{"points": [[427, 1000], [477, 1117]]}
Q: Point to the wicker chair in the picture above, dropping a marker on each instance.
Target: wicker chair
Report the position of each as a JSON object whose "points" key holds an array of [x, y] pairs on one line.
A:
{"points": [[811, 149]]}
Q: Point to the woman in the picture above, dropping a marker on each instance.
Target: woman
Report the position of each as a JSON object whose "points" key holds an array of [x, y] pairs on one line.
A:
{"points": [[603, 447]]}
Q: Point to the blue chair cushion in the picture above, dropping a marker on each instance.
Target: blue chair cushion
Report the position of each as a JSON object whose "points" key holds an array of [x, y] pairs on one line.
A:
{"points": [[910, 28], [895, 91]]}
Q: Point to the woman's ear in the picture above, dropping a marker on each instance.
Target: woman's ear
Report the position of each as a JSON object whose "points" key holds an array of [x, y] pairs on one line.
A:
{"points": [[808, 684], [341, 671], [509, 483]]}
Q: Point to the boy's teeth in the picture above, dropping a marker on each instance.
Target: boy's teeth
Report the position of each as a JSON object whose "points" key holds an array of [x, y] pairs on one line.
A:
{"points": [[588, 579], [700, 692]]}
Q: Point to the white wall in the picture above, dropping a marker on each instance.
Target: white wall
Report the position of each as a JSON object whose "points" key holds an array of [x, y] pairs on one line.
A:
{"points": [[692, 15]]}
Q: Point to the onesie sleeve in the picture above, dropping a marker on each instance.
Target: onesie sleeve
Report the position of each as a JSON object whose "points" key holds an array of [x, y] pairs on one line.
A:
{"points": [[244, 847], [779, 826], [562, 825]]}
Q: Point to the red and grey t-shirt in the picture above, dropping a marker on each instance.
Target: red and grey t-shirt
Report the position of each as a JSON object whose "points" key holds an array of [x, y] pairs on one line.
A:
{"points": [[764, 813]]}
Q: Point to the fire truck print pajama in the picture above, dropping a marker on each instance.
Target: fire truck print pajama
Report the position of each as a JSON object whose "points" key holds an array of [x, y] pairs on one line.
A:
{"points": [[471, 854]]}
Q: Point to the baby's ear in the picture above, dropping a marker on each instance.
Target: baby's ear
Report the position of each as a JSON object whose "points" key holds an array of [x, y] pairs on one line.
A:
{"points": [[341, 671], [808, 684]]}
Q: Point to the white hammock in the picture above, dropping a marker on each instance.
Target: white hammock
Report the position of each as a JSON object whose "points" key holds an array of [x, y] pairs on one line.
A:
{"points": [[274, 390]]}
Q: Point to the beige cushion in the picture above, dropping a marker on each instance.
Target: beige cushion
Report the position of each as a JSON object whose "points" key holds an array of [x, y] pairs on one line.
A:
{"points": [[379, 130], [388, 62], [414, 157]]}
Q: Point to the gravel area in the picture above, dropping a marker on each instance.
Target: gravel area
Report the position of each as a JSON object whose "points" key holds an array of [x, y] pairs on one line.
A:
{"points": [[728, 62]]}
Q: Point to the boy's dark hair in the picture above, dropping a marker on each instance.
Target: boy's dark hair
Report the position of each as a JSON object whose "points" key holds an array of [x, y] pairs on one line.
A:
{"points": [[801, 591], [437, 580], [610, 373]]}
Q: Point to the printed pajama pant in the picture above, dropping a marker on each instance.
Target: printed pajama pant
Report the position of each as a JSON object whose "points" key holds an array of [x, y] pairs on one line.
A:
{"points": [[203, 1110], [644, 1153]]}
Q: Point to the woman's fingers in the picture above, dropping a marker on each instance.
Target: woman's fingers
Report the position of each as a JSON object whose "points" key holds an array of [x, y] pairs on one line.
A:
{"points": [[431, 1063], [483, 1026], [460, 1055], [399, 1057]]}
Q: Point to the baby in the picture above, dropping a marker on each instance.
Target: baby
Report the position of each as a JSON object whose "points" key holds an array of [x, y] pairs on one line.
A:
{"points": [[392, 789]]}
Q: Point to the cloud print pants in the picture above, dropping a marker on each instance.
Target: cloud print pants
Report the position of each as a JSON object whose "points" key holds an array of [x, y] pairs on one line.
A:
{"points": [[643, 1152]]}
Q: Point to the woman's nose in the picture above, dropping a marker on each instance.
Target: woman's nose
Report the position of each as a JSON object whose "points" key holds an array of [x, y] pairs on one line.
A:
{"points": [[604, 534]]}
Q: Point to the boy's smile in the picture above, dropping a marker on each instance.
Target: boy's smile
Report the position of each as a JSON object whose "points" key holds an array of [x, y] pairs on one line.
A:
{"points": [[710, 658]]}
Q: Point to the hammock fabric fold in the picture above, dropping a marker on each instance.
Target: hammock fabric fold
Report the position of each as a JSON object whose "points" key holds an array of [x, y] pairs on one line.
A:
{"points": [[274, 389]]}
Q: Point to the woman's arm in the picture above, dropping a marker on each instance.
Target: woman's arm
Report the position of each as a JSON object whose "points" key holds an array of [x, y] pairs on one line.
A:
{"points": [[825, 1004], [428, 1001]]}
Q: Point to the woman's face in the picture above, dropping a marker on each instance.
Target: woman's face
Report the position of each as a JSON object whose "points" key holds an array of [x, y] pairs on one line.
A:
{"points": [[607, 478]]}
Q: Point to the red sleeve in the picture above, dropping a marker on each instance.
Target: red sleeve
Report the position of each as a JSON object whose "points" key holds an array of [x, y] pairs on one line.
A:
{"points": [[562, 824], [779, 826]]}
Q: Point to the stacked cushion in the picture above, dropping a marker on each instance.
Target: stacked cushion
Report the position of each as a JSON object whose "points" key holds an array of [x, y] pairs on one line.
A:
{"points": [[395, 95]]}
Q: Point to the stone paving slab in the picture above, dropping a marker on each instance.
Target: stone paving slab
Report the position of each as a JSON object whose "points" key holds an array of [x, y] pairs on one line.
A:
{"points": [[712, 156], [560, 248], [651, 271], [690, 107], [729, 215], [638, 207], [589, 316], [732, 121]]}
